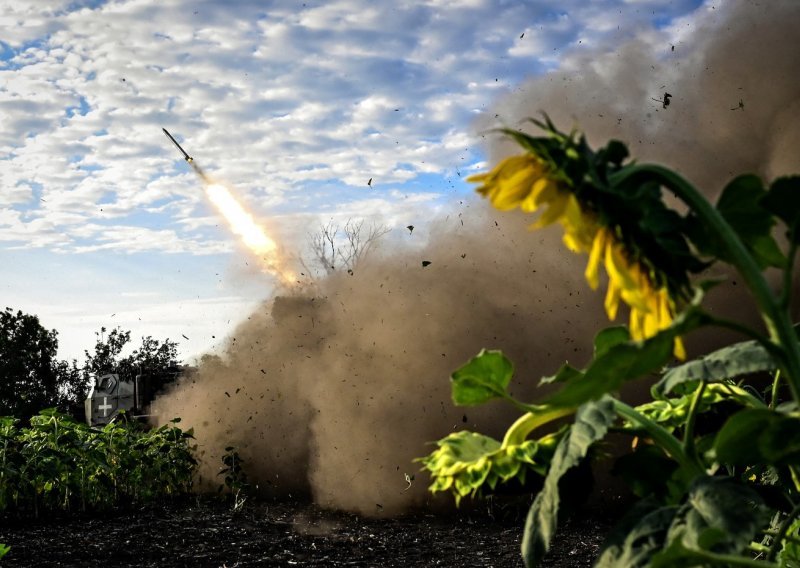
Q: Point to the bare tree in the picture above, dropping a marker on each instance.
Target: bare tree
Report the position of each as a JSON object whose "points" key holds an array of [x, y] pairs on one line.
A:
{"points": [[344, 248]]}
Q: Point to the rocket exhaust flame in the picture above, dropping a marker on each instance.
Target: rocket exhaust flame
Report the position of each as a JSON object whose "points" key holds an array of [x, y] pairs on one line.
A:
{"points": [[252, 235], [241, 222]]}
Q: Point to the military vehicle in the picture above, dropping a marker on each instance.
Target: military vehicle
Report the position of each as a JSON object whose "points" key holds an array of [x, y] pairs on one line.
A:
{"points": [[111, 395]]}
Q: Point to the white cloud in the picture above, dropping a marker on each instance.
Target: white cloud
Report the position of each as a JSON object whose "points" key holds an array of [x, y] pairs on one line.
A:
{"points": [[294, 107]]}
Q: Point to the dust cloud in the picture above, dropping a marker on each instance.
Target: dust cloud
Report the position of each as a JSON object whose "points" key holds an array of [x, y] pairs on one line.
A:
{"points": [[734, 75], [333, 390]]}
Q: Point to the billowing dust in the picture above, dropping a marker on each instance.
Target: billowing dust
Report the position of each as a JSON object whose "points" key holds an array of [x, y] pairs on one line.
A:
{"points": [[734, 76], [333, 390]]}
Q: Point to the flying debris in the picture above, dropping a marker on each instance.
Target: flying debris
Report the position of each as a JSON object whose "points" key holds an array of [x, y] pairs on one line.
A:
{"points": [[740, 107], [186, 156], [665, 101], [369, 183], [410, 229]]}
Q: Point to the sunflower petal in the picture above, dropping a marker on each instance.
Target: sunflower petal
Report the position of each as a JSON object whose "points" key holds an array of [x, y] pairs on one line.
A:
{"points": [[592, 268]]}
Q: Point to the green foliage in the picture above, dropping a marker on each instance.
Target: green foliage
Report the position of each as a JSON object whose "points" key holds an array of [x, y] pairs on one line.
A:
{"points": [[4, 548], [783, 201], [740, 205], [772, 438], [721, 365], [484, 377], [717, 466], [717, 521], [31, 378], [618, 361], [638, 537], [152, 356], [58, 464], [234, 476], [466, 463], [591, 424]]}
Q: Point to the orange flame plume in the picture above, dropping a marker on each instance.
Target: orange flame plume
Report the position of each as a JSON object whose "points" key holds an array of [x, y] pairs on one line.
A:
{"points": [[252, 234]]}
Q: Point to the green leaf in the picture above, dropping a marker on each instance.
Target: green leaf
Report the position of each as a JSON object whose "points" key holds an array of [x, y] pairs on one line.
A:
{"points": [[726, 363], [646, 471], [610, 337], [741, 205], [790, 549], [759, 436], [783, 201], [615, 152], [637, 538], [624, 362], [4, 548], [591, 424], [718, 520], [720, 516], [482, 378], [565, 373]]}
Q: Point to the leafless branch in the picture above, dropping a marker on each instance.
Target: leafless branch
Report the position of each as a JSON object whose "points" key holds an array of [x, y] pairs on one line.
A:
{"points": [[333, 248]]}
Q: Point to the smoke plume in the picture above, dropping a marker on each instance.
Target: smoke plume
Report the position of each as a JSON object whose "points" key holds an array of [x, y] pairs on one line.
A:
{"points": [[335, 390], [332, 391]]}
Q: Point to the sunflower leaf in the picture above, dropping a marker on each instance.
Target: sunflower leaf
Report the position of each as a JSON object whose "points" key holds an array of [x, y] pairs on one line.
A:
{"points": [[773, 438], [726, 363], [627, 361], [482, 378], [783, 201], [591, 424]]}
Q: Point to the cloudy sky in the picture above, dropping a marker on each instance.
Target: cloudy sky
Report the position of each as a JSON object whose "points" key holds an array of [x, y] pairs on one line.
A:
{"points": [[295, 105]]}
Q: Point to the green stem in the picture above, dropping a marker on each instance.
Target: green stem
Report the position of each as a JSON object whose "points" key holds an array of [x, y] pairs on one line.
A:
{"points": [[776, 319], [688, 435], [782, 530], [669, 443], [774, 393], [529, 421], [744, 397]]}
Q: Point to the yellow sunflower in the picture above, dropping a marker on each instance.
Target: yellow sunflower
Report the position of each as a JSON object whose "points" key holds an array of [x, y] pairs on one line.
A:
{"points": [[524, 181]]}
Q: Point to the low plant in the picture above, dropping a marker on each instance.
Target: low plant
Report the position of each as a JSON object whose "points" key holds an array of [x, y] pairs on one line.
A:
{"points": [[715, 462], [234, 477], [59, 464]]}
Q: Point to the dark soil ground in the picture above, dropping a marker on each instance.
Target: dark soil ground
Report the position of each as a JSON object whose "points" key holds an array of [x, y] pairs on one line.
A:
{"points": [[207, 532]]}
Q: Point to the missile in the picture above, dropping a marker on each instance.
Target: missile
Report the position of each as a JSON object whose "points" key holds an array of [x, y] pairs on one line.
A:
{"points": [[186, 156]]}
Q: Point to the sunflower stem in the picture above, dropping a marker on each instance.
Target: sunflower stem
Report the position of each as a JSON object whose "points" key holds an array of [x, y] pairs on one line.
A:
{"points": [[688, 434], [775, 316], [774, 393], [528, 422], [669, 443]]}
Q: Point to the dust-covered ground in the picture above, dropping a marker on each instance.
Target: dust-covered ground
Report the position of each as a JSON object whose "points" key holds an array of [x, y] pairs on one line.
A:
{"points": [[208, 533]]}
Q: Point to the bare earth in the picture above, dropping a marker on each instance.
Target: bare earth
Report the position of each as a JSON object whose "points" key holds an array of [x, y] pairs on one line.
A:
{"points": [[206, 532]]}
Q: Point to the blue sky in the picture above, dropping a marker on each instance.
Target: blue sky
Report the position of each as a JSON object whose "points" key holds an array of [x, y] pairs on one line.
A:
{"points": [[295, 104]]}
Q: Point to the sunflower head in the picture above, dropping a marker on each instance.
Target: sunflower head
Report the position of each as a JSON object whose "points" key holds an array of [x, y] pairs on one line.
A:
{"points": [[624, 228], [467, 463]]}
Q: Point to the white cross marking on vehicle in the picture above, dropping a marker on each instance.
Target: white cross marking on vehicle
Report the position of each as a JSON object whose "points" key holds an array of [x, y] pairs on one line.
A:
{"points": [[105, 407]]}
